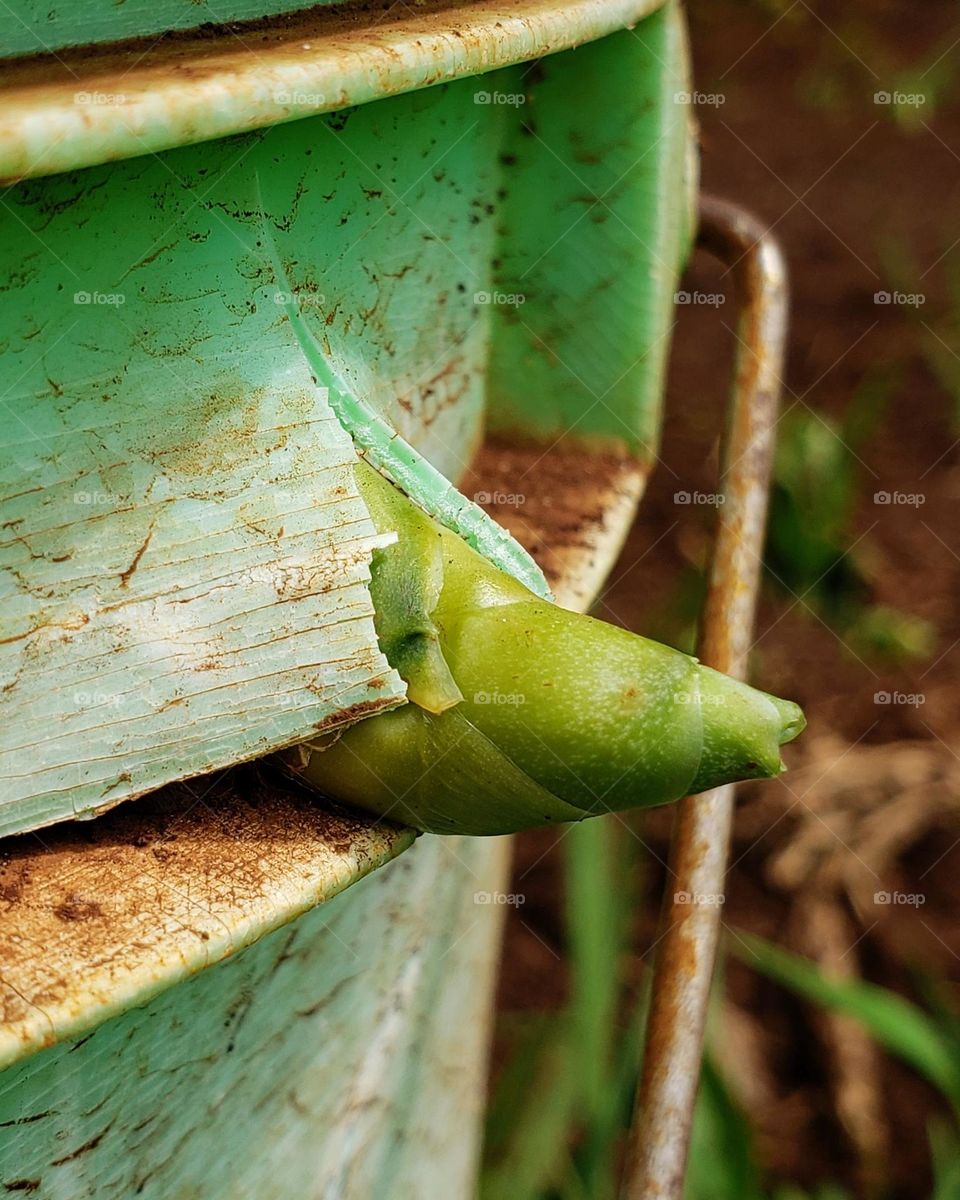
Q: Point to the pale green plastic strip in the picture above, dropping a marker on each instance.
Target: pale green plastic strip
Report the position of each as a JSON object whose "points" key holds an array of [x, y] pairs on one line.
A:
{"points": [[69, 112]]}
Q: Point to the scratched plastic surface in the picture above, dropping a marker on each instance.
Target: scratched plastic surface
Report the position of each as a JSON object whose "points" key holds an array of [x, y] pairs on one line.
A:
{"points": [[314, 1062], [170, 471]]}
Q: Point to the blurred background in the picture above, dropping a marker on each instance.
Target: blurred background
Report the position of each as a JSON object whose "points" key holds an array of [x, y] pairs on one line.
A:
{"points": [[833, 1064]]}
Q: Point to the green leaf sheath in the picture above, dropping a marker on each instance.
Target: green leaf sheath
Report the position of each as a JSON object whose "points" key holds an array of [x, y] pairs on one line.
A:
{"points": [[385, 449], [523, 713]]}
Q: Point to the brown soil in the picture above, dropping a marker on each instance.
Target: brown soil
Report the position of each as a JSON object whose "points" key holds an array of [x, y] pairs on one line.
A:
{"points": [[800, 141]]}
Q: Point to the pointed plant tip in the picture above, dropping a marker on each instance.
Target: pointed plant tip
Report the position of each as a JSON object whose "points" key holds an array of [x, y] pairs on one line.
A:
{"points": [[793, 722], [459, 632]]}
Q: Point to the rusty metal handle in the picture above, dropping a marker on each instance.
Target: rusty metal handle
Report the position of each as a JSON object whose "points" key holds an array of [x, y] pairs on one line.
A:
{"points": [[660, 1136]]}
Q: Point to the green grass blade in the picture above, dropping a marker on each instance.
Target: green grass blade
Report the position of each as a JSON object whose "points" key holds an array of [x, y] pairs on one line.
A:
{"points": [[900, 1027], [721, 1165], [529, 1037], [542, 1109], [593, 926], [825, 1191], [944, 1161], [595, 906]]}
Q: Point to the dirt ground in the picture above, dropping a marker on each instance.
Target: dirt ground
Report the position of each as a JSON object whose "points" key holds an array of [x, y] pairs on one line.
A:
{"points": [[855, 189]]}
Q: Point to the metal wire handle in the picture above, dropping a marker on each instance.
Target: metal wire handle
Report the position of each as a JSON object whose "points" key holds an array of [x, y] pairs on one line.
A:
{"points": [[660, 1136]]}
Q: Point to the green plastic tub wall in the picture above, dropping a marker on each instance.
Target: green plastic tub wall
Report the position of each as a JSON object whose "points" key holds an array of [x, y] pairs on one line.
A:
{"points": [[481, 211]]}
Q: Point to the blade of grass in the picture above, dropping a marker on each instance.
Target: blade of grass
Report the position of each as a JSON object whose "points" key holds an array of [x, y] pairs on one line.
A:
{"points": [[529, 1038], [944, 1161], [937, 998], [542, 1106], [900, 1027], [571, 1075], [594, 924], [722, 1165], [571, 1186], [595, 908], [825, 1191]]}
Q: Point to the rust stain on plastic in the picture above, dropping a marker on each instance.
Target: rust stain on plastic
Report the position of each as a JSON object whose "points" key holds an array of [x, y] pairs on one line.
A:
{"points": [[190, 865]]}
